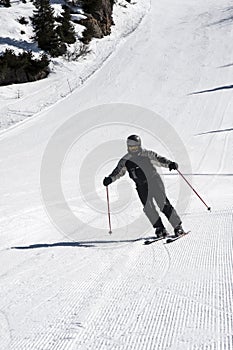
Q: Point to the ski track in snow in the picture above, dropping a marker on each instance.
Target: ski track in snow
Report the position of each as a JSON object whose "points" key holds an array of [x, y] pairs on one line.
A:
{"points": [[123, 295], [134, 297]]}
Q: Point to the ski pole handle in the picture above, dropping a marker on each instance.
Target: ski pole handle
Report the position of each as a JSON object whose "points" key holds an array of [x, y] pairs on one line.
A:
{"points": [[209, 208], [109, 216]]}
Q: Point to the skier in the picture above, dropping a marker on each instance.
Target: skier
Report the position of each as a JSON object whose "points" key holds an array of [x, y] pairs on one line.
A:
{"points": [[141, 166]]}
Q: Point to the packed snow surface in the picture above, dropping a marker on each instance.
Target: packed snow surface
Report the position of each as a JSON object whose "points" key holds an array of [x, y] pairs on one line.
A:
{"points": [[66, 283]]}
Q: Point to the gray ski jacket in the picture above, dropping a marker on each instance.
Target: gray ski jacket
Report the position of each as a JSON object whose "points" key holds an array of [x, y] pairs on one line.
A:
{"points": [[141, 166]]}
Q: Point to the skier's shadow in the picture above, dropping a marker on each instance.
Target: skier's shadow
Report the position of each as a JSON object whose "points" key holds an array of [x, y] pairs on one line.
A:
{"points": [[82, 244]]}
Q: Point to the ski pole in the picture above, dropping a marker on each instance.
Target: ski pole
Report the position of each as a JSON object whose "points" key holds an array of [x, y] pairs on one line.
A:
{"points": [[209, 208], [109, 217]]}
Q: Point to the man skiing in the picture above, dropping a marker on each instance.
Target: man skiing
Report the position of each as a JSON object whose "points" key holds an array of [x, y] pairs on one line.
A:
{"points": [[141, 166]]}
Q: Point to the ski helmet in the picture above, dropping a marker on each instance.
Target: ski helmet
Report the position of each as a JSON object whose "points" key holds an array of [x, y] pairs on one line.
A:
{"points": [[134, 143]]}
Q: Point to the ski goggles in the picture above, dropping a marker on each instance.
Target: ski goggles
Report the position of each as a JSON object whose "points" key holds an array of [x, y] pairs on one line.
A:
{"points": [[132, 148]]}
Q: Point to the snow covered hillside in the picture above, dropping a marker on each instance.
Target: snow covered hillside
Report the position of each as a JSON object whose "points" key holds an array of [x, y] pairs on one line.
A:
{"points": [[22, 101], [66, 283]]}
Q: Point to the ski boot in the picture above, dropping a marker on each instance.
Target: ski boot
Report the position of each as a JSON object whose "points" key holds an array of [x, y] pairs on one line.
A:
{"points": [[161, 232], [178, 230]]}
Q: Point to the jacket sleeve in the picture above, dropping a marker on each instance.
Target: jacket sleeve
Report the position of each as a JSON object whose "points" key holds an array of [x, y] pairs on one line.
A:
{"points": [[156, 159], [119, 171]]}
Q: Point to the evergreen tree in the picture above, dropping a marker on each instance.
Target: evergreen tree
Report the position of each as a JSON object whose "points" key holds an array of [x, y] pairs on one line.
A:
{"points": [[5, 3], [66, 29], [44, 27], [22, 68]]}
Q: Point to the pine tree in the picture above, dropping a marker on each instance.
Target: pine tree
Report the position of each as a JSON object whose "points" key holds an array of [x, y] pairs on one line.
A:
{"points": [[5, 3], [22, 68], [66, 29], [44, 27]]}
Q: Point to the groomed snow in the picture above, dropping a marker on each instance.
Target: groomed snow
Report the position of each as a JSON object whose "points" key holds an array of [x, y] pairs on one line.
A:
{"points": [[165, 73]]}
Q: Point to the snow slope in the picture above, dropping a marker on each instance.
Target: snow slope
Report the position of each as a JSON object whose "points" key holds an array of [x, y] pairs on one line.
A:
{"points": [[65, 282], [21, 101]]}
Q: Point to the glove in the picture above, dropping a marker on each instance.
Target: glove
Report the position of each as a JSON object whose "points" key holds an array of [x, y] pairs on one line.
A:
{"points": [[107, 181], [173, 166]]}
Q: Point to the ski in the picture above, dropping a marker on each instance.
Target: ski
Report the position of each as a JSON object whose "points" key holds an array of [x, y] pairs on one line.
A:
{"points": [[152, 240], [174, 238]]}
